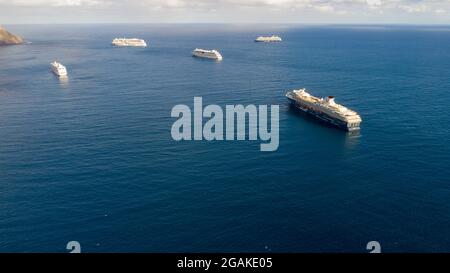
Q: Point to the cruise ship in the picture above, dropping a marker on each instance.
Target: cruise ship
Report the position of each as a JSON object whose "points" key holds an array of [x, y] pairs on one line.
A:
{"points": [[272, 38], [59, 69], [210, 54], [129, 42], [325, 109]]}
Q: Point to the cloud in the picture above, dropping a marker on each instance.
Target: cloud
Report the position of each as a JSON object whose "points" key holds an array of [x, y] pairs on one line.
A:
{"points": [[374, 3], [262, 10], [415, 8], [324, 8], [52, 3]]}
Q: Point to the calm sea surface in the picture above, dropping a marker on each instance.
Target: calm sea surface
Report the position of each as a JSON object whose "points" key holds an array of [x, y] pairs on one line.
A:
{"points": [[91, 159]]}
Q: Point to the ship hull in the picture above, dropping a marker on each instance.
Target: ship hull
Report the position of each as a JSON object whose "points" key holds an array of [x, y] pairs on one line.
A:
{"points": [[126, 42], [207, 56], [129, 45], [323, 117], [59, 73], [267, 41]]}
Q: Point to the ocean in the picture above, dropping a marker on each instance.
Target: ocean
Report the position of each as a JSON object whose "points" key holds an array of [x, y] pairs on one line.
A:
{"points": [[92, 159]]}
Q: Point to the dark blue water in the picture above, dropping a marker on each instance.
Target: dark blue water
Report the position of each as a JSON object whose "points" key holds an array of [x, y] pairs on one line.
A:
{"points": [[92, 159]]}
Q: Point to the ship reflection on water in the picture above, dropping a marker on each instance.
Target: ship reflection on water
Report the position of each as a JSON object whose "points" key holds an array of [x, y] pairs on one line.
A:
{"points": [[64, 81], [352, 139]]}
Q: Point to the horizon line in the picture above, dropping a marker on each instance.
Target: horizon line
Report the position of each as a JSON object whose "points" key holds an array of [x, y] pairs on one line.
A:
{"points": [[236, 23]]}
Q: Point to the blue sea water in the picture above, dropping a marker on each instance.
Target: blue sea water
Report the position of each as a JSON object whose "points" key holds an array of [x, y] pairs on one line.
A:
{"points": [[91, 159]]}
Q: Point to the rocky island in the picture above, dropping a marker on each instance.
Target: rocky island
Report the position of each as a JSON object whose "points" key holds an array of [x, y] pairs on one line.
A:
{"points": [[7, 38]]}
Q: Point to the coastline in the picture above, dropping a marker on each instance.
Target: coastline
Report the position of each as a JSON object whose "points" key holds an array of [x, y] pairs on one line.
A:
{"points": [[7, 38]]}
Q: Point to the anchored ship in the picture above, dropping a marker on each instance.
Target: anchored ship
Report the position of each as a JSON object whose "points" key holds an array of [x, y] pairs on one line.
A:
{"points": [[272, 38], [325, 109], [59, 69], [129, 42], [210, 54]]}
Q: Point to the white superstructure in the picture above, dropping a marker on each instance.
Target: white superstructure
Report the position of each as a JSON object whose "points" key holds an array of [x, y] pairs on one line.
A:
{"points": [[129, 42], [326, 109], [210, 54], [59, 69], [272, 38]]}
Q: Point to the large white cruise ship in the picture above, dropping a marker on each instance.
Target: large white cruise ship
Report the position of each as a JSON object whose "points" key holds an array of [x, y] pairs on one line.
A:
{"points": [[272, 38], [129, 42], [59, 69], [325, 109], [210, 54]]}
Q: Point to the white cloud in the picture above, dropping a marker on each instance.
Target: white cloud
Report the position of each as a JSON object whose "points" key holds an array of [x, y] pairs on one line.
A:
{"points": [[374, 3], [52, 3], [324, 8], [418, 8], [261, 10]]}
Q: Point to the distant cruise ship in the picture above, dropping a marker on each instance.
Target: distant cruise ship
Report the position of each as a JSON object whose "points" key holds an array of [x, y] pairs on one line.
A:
{"points": [[210, 54], [59, 69], [272, 38], [129, 42], [325, 109]]}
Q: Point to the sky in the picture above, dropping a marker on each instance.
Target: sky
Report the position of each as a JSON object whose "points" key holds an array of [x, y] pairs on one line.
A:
{"points": [[226, 11]]}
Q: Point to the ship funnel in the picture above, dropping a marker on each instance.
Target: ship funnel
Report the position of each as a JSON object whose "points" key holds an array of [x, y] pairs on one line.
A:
{"points": [[330, 100]]}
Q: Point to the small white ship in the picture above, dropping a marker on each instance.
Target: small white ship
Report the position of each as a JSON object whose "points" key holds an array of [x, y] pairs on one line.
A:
{"points": [[129, 42], [268, 39], [325, 109], [210, 54], [59, 69]]}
